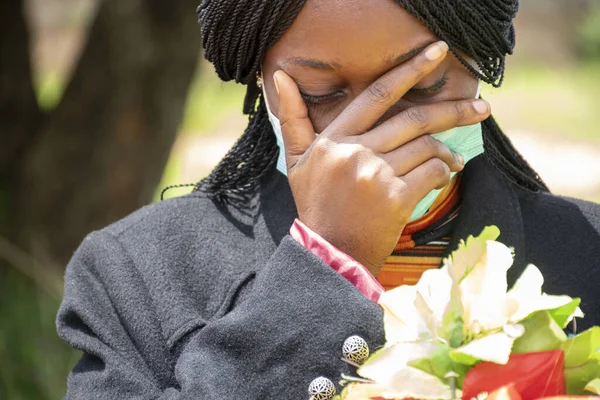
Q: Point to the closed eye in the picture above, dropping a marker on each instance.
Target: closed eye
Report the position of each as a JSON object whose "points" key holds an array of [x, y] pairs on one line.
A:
{"points": [[333, 97], [325, 99], [431, 90]]}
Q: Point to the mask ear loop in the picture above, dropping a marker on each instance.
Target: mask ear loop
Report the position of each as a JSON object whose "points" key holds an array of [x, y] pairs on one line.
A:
{"points": [[478, 93]]}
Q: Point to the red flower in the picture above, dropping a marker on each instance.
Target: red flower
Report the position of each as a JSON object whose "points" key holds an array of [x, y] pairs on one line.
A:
{"points": [[531, 376], [510, 393]]}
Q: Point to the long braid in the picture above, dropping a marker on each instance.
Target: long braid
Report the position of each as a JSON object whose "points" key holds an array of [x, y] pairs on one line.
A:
{"points": [[237, 33], [235, 36], [482, 29], [500, 152]]}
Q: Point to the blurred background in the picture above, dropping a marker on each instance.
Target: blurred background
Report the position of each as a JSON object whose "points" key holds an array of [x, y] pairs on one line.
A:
{"points": [[105, 102]]}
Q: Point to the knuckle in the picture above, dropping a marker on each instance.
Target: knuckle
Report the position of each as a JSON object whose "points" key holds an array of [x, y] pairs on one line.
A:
{"points": [[430, 144], [399, 198], [320, 147], [367, 174], [417, 117], [461, 110], [444, 152], [346, 153], [379, 93], [396, 192], [440, 169], [290, 125], [417, 69]]}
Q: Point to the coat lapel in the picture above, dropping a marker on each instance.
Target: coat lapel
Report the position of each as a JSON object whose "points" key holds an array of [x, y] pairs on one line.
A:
{"points": [[489, 199]]}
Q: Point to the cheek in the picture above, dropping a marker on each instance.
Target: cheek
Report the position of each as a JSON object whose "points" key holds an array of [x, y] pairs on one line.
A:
{"points": [[322, 118], [464, 84]]}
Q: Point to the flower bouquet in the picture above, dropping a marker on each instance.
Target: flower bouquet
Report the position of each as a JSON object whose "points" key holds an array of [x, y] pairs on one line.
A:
{"points": [[459, 333]]}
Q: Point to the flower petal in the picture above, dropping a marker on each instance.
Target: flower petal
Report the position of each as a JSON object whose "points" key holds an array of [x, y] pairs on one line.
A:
{"points": [[483, 290], [469, 253], [362, 391], [494, 348], [593, 386], [526, 297], [435, 287], [533, 375], [389, 367], [401, 320]]}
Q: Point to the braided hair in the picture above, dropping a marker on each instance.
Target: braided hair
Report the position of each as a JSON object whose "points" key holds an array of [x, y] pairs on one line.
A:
{"points": [[237, 33]]}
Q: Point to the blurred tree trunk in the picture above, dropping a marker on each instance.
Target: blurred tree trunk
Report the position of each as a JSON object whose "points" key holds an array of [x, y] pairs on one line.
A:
{"points": [[101, 153]]}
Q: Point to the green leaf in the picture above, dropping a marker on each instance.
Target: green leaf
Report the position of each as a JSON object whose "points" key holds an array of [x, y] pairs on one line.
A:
{"points": [[469, 252], [563, 314], [579, 349], [440, 363], [456, 337], [582, 360], [577, 378], [594, 386], [464, 358], [542, 333], [491, 232]]}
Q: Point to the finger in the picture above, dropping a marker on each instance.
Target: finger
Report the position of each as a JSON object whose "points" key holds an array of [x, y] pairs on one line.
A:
{"points": [[297, 129], [432, 174], [426, 119], [418, 151], [373, 102]]}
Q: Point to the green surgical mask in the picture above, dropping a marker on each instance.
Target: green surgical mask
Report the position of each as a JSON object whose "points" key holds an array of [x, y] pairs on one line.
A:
{"points": [[466, 141]]}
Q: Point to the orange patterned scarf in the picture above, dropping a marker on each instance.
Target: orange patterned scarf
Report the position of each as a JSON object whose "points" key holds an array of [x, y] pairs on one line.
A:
{"points": [[423, 242]]}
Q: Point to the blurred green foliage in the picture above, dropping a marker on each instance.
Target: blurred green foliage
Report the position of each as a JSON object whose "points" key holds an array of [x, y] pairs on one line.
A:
{"points": [[554, 102], [34, 362], [210, 102], [589, 33]]}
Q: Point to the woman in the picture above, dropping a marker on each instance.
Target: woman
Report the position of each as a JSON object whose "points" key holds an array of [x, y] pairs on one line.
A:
{"points": [[249, 287]]}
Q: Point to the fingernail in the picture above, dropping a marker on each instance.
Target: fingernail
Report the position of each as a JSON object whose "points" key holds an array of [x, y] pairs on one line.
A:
{"points": [[481, 106], [461, 159], [436, 51], [276, 82]]}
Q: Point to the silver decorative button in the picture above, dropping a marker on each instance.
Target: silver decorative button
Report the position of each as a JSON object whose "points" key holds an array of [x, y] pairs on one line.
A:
{"points": [[356, 349], [321, 388]]}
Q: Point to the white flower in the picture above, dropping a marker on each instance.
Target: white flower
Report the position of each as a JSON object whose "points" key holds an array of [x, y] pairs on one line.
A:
{"points": [[483, 290], [389, 367], [412, 313], [467, 297]]}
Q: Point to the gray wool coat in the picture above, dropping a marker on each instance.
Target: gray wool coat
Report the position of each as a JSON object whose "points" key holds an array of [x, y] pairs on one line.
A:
{"points": [[185, 299]]}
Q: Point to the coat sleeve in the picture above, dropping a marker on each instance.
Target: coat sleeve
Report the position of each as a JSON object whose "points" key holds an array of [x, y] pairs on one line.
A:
{"points": [[104, 305], [288, 329]]}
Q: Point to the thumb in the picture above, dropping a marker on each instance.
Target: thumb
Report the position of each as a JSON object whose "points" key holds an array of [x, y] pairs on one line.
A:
{"points": [[297, 129]]}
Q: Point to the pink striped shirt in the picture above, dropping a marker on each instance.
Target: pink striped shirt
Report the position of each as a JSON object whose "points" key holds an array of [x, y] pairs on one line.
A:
{"points": [[356, 273]]}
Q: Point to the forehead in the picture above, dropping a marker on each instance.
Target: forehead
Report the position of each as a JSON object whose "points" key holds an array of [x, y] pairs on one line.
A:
{"points": [[351, 33]]}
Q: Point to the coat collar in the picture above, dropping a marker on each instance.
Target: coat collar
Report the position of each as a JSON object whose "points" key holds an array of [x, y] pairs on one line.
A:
{"points": [[488, 198]]}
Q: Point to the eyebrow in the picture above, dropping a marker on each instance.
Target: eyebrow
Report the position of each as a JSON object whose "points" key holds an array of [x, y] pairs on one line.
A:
{"points": [[331, 66], [409, 54], [312, 63]]}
